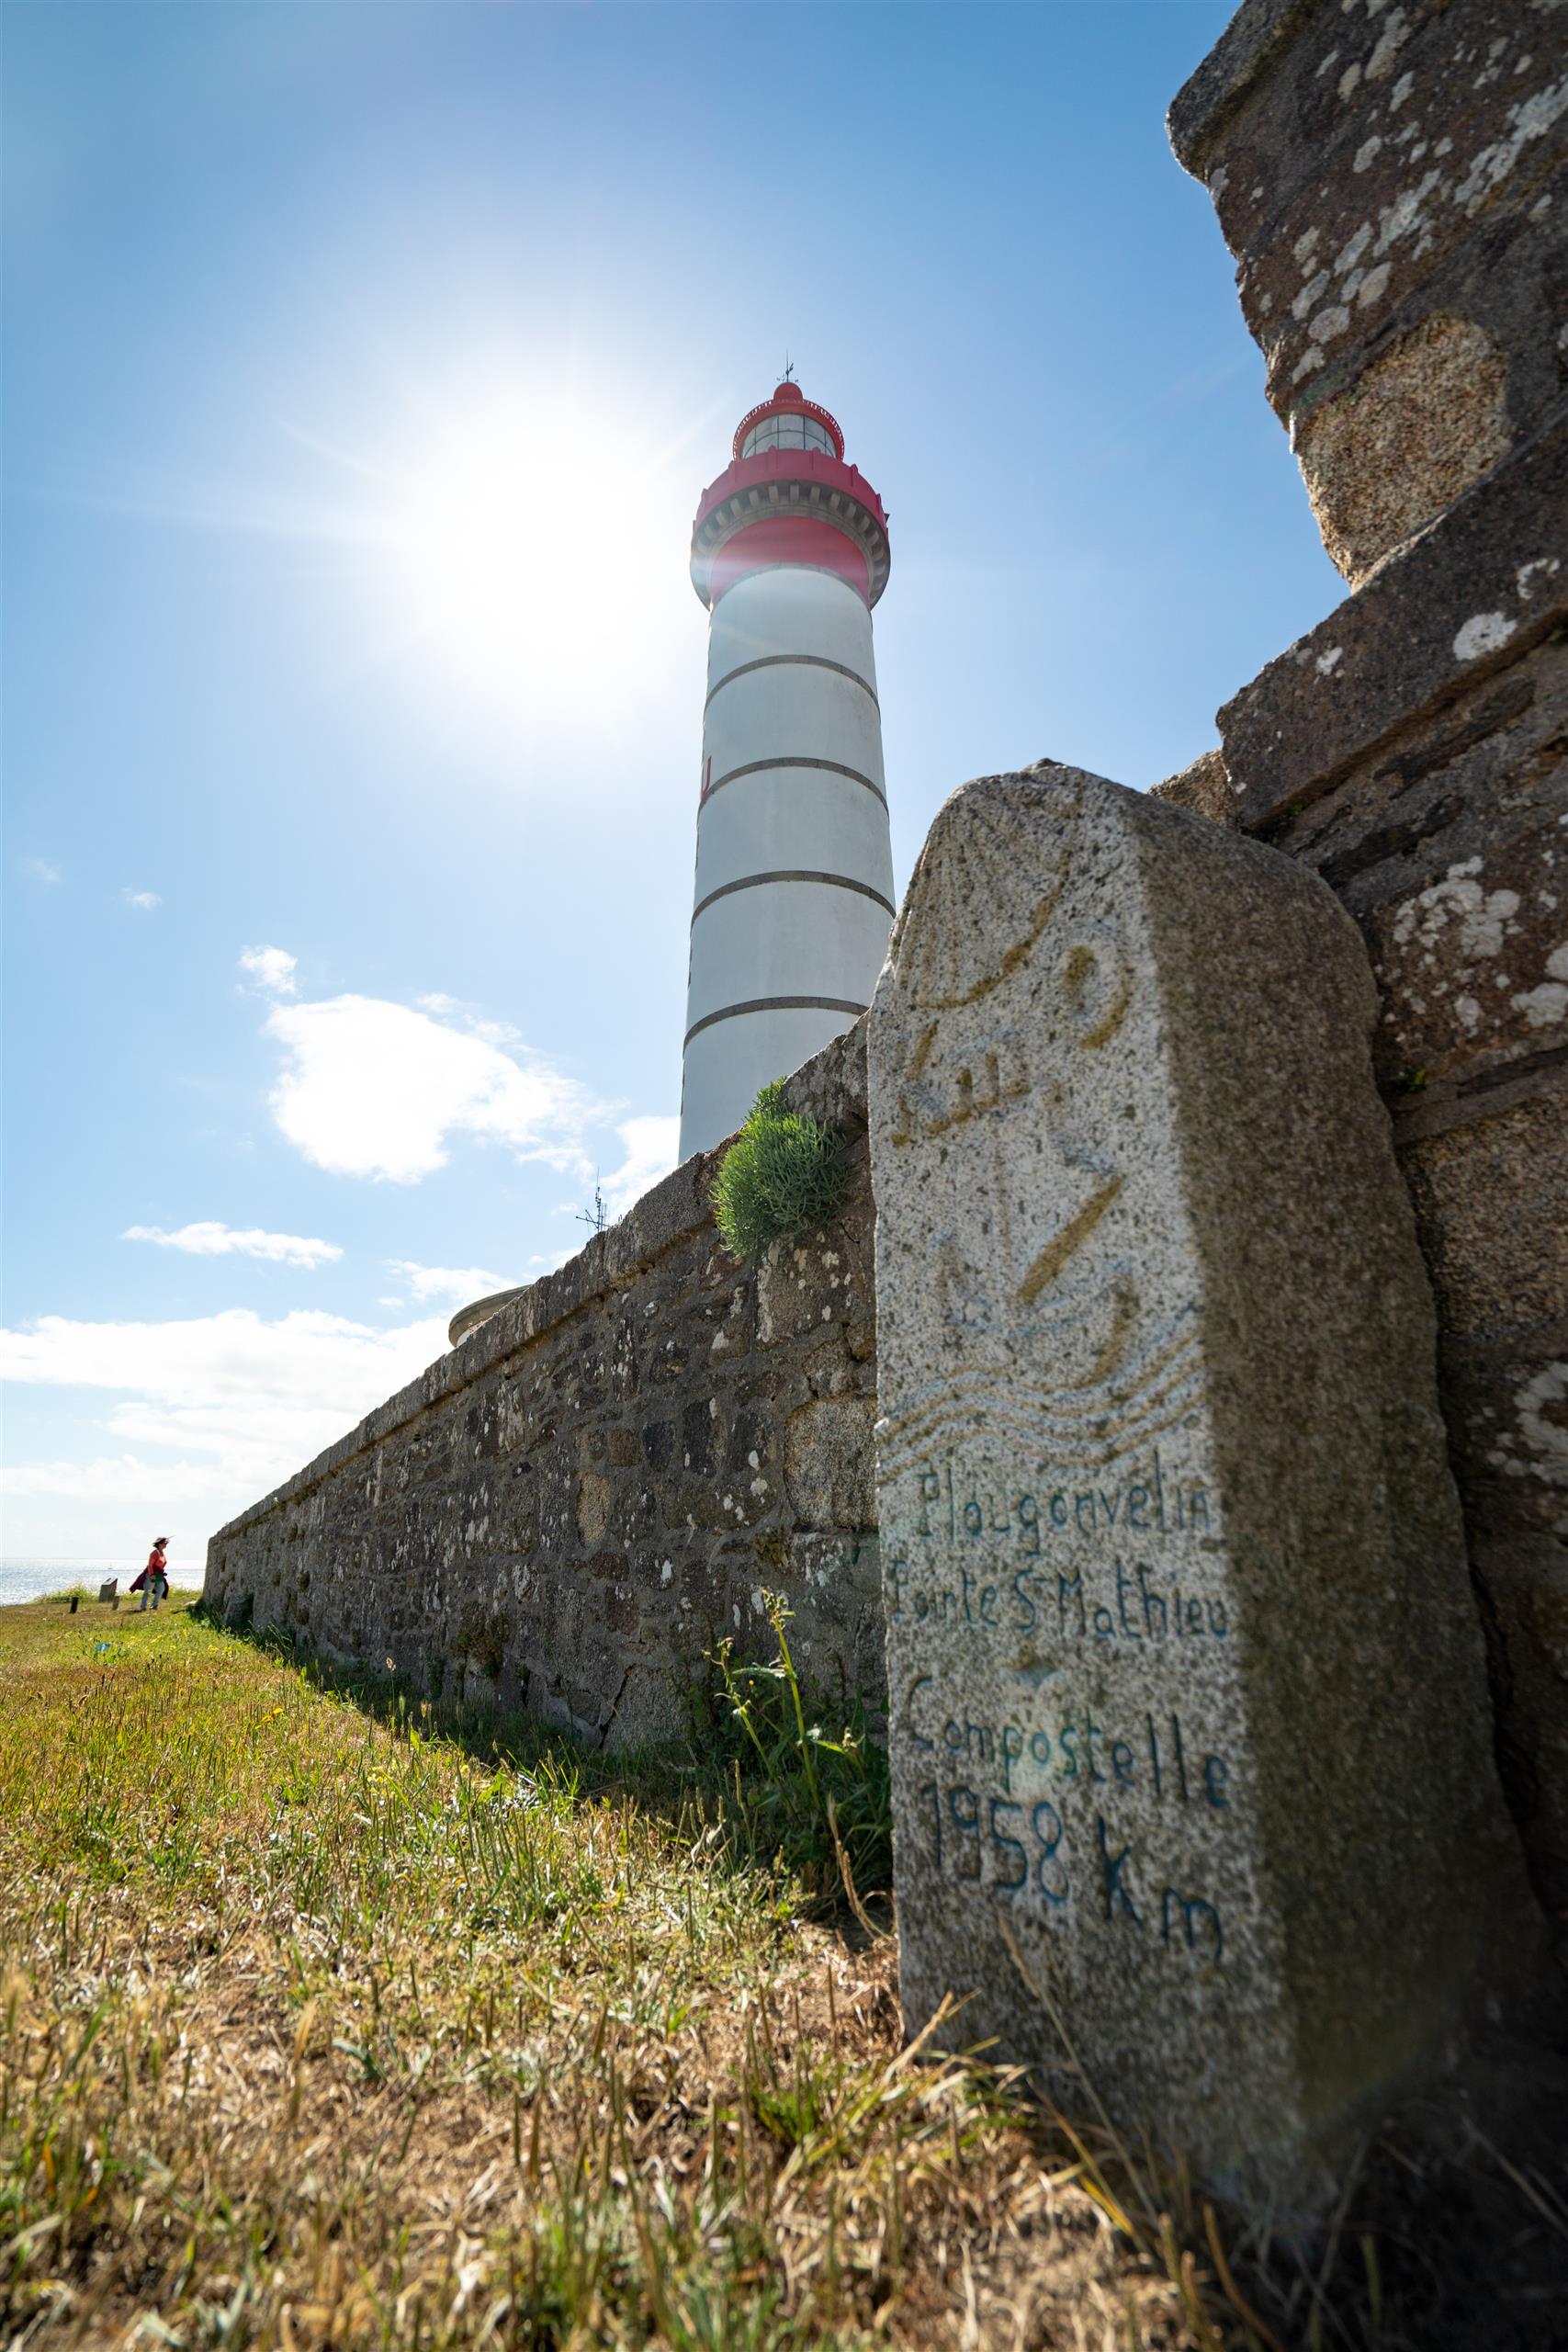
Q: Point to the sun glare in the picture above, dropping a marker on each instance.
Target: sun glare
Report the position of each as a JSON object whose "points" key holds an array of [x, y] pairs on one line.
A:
{"points": [[536, 551]]}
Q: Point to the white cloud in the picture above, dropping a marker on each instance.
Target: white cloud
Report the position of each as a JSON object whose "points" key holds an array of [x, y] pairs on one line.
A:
{"points": [[210, 1238], [145, 899], [201, 1417], [469, 1017], [271, 968], [115, 1478], [374, 1088], [459, 1284], [43, 869], [652, 1147], [242, 1402]]}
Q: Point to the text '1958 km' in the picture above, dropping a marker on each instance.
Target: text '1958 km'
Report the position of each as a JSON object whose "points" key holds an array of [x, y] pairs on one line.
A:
{"points": [[1000, 1845]]}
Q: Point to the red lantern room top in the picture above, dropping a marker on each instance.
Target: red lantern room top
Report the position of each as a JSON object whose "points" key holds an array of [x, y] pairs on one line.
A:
{"points": [[788, 497], [788, 420]]}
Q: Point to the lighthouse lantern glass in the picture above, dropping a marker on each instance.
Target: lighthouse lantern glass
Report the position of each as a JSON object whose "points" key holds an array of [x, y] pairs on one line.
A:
{"points": [[788, 432]]}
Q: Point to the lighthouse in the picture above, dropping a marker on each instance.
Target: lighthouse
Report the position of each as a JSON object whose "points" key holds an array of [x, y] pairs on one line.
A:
{"points": [[794, 894]]}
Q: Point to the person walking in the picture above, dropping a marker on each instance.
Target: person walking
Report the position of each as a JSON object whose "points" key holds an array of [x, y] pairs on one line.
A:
{"points": [[153, 1584]]}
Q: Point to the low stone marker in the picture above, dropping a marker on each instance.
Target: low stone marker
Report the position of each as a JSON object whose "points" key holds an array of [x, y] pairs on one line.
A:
{"points": [[1190, 1736]]}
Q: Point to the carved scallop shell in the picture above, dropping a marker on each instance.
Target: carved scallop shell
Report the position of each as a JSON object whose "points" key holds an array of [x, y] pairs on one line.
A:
{"points": [[975, 908]]}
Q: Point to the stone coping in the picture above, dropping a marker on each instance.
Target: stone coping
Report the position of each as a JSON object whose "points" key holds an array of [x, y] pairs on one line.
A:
{"points": [[1468, 595], [469, 1318], [1221, 85], [830, 1085]]}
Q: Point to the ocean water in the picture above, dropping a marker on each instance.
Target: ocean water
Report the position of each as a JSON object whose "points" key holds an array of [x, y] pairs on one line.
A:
{"points": [[30, 1579]]}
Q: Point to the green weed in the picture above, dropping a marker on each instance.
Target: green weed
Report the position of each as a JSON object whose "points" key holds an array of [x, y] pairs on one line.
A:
{"points": [[819, 1799], [782, 1176]]}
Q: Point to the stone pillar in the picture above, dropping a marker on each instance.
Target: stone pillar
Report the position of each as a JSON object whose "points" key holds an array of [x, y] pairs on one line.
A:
{"points": [[1188, 1723], [1391, 181]]}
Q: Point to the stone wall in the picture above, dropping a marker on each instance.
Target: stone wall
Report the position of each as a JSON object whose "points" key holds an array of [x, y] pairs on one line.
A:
{"points": [[604, 1478], [1391, 181]]}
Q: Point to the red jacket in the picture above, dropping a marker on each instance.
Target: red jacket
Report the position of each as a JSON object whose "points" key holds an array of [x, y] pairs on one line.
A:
{"points": [[156, 1566]]}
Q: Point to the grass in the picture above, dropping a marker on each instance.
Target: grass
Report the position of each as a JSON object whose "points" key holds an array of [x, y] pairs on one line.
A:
{"points": [[318, 2028]]}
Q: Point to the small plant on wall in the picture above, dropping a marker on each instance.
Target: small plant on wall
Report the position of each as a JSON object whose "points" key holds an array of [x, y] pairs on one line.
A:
{"points": [[781, 1176]]}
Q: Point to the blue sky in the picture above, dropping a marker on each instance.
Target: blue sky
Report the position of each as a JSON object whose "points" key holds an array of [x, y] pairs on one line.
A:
{"points": [[362, 368]]}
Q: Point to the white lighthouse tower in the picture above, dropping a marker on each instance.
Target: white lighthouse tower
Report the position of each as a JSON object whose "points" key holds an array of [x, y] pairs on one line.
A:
{"points": [[793, 894]]}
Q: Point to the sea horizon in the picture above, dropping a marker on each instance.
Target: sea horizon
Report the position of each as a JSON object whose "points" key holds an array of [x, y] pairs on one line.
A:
{"points": [[33, 1579]]}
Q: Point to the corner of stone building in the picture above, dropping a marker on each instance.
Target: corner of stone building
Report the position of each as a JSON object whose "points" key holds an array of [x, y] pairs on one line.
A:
{"points": [[1391, 183], [1390, 186]]}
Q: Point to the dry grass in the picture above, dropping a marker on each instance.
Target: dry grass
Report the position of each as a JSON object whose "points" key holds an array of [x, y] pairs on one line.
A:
{"points": [[315, 2031]]}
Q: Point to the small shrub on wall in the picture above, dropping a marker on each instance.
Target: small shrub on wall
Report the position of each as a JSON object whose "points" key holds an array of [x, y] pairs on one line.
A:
{"points": [[781, 1176]]}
